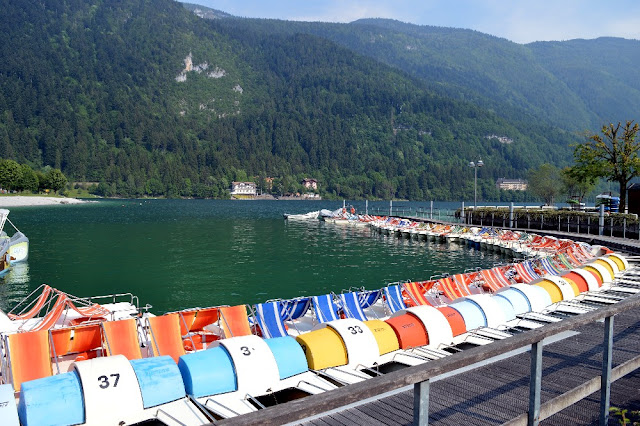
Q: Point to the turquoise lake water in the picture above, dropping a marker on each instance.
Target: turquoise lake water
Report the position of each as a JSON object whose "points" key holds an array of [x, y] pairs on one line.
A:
{"points": [[175, 254]]}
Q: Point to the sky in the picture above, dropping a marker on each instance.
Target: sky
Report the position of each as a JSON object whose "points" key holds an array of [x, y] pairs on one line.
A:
{"points": [[521, 21]]}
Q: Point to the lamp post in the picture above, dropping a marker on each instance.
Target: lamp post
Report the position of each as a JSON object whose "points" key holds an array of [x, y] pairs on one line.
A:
{"points": [[475, 166]]}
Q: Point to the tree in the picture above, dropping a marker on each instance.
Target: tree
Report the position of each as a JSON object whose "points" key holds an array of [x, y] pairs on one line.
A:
{"points": [[612, 156], [575, 185], [29, 179], [55, 179], [545, 183], [10, 174], [154, 187], [42, 180]]}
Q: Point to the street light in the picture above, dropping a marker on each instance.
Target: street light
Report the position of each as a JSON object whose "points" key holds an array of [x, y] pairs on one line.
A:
{"points": [[475, 180]]}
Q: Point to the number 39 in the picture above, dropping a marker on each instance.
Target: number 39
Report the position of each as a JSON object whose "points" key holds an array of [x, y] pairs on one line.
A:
{"points": [[354, 329]]}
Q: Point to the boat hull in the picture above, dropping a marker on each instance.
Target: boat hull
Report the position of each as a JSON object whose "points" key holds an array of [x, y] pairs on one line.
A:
{"points": [[19, 252]]}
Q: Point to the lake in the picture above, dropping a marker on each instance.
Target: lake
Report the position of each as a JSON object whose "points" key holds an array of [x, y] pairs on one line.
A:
{"points": [[176, 254]]}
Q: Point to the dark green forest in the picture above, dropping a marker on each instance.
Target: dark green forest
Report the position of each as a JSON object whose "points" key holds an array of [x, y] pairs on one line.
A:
{"points": [[575, 84], [147, 99]]}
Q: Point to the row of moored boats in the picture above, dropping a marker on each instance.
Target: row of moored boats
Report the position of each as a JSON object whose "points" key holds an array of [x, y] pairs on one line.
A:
{"points": [[89, 361]]}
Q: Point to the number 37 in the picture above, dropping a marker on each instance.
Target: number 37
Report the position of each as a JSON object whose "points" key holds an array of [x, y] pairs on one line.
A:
{"points": [[104, 380]]}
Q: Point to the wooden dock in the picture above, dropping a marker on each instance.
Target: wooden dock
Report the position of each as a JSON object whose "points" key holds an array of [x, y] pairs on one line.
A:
{"points": [[498, 392], [491, 384]]}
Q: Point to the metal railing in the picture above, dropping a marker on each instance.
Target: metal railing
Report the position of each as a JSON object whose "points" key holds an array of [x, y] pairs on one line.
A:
{"points": [[420, 376], [625, 226], [435, 213], [593, 223]]}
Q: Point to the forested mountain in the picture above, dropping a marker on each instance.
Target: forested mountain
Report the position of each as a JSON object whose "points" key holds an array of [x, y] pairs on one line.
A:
{"points": [[149, 99], [575, 84], [605, 73]]}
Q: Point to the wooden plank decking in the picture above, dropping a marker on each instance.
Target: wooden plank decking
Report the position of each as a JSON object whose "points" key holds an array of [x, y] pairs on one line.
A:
{"points": [[498, 392]]}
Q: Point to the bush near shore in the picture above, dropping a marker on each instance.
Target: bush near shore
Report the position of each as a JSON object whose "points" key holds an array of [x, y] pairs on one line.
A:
{"points": [[21, 177]]}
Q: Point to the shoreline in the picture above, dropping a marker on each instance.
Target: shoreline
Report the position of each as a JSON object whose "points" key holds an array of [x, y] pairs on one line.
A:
{"points": [[35, 201]]}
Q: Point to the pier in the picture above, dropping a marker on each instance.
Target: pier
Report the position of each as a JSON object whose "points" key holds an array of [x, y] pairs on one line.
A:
{"points": [[491, 384], [570, 372]]}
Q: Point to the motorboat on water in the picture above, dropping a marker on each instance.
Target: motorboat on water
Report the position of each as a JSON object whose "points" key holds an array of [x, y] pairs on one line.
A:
{"points": [[325, 213], [17, 245], [305, 216]]}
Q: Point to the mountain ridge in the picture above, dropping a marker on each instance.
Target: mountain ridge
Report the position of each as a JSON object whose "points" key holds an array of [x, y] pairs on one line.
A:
{"points": [[514, 79], [148, 99]]}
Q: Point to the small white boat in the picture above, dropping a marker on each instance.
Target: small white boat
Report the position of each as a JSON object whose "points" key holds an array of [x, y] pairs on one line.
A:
{"points": [[16, 246], [306, 216]]}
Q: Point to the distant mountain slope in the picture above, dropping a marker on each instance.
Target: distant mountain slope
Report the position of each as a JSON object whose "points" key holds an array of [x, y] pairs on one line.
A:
{"points": [[148, 99], [206, 12], [577, 84], [495, 72], [605, 72]]}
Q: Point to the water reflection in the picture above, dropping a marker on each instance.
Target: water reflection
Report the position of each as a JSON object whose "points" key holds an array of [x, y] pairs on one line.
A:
{"points": [[14, 286], [19, 274]]}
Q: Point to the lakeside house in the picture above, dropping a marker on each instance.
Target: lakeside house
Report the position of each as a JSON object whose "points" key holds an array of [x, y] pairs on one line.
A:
{"points": [[268, 181], [310, 183], [243, 189], [512, 184]]}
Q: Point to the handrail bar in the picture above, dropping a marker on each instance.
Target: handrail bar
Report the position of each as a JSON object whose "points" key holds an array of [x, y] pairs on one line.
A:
{"points": [[317, 404]]}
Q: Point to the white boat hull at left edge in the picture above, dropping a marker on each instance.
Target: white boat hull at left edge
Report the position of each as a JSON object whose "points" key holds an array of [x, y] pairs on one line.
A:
{"points": [[17, 246]]}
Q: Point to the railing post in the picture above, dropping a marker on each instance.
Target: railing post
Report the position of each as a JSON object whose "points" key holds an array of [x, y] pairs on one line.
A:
{"points": [[535, 384], [624, 227], [601, 221], [588, 225], [431, 210], [421, 403], [611, 227], [511, 215], [605, 384]]}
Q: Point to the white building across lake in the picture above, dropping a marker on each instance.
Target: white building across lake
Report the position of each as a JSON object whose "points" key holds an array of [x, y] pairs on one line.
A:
{"points": [[243, 188], [512, 184]]}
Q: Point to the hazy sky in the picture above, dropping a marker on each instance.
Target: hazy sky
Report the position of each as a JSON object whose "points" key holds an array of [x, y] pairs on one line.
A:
{"points": [[521, 21]]}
